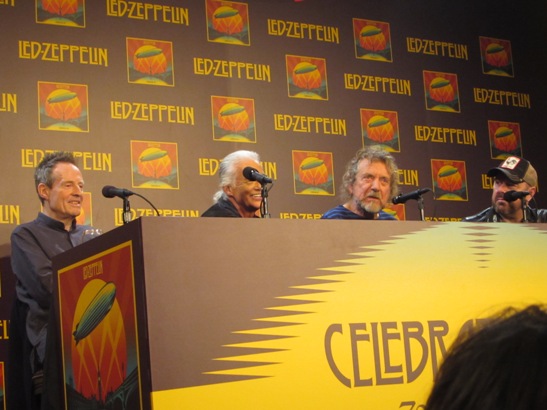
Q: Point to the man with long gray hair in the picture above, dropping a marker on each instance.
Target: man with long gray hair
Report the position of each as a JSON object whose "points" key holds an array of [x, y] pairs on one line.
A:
{"points": [[238, 196]]}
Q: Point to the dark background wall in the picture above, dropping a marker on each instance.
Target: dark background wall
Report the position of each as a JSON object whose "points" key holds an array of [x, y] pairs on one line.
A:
{"points": [[111, 145], [38, 87]]}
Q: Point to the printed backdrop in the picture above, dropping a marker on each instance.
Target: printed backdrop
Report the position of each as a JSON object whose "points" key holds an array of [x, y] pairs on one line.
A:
{"points": [[152, 95]]}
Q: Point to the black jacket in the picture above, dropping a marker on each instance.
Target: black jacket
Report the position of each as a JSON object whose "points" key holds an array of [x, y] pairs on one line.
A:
{"points": [[222, 208], [489, 215]]}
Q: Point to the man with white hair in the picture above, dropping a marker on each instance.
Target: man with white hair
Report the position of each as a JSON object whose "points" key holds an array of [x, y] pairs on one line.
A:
{"points": [[238, 197]]}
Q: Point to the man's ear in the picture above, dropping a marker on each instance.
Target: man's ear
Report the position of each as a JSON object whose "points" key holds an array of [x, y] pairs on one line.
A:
{"points": [[532, 191], [228, 190], [43, 191]]}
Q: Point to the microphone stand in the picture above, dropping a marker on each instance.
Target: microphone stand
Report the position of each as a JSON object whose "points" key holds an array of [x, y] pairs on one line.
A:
{"points": [[417, 195], [264, 212], [126, 210], [524, 203], [421, 208]]}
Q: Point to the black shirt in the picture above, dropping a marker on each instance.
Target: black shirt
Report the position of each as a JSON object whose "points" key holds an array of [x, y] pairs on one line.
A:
{"points": [[223, 208], [33, 245]]}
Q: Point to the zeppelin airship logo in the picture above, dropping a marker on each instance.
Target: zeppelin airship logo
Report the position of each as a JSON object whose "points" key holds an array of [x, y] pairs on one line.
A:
{"points": [[96, 311]]}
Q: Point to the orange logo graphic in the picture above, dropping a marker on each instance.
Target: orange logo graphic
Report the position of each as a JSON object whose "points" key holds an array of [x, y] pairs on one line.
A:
{"points": [[313, 173], [228, 22], [150, 62], [505, 139], [496, 57], [154, 165], [449, 180], [372, 40], [307, 77], [233, 119], [380, 128], [63, 107], [441, 91], [61, 12]]}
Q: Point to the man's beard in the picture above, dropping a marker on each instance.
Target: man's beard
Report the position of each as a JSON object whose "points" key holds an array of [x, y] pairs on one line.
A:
{"points": [[506, 210], [370, 207]]}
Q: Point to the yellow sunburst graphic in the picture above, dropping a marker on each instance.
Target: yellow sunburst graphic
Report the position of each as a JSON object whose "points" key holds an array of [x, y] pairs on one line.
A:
{"points": [[99, 341], [371, 334]]}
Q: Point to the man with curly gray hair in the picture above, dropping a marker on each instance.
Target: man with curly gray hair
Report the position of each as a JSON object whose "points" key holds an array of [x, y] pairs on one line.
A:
{"points": [[368, 185]]}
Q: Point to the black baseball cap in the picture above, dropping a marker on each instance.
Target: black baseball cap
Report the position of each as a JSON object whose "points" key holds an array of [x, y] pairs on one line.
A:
{"points": [[517, 170]]}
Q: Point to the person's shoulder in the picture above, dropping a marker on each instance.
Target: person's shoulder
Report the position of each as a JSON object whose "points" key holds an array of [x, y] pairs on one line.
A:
{"points": [[219, 210], [208, 212], [541, 215], [24, 227], [337, 212], [385, 216], [18, 231]]}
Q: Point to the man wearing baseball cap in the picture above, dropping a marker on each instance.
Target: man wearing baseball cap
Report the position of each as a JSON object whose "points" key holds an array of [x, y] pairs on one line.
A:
{"points": [[515, 184]]}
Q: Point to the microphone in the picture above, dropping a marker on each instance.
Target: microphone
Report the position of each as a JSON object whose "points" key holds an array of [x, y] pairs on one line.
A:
{"points": [[110, 192], [253, 175], [511, 196], [401, 199]]}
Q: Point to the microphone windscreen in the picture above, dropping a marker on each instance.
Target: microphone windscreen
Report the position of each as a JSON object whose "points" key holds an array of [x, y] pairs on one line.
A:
{"points": [[248, 173], [107, 191], [511, 196]]}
